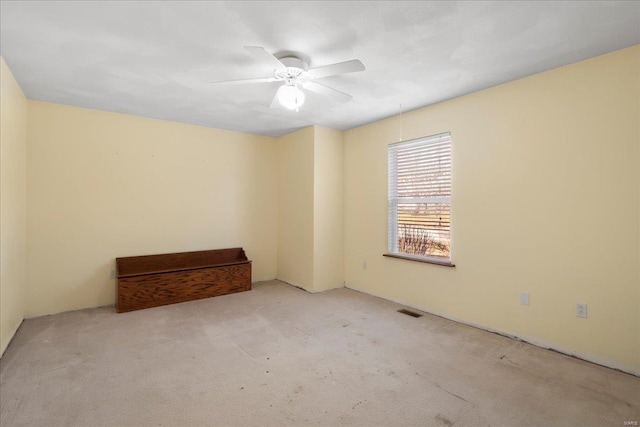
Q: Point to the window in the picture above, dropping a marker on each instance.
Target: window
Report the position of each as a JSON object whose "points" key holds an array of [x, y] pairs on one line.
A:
{"points": [[419, 199]]}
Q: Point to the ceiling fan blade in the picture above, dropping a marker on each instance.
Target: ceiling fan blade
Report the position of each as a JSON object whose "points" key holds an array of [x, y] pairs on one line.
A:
{"points": [[242, 81], [275, 103], [266, 57], [338, 68], [327, 91]]}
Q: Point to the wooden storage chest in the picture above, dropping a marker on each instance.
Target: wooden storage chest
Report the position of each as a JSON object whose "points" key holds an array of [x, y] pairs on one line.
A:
{"points": [[154, 280]]}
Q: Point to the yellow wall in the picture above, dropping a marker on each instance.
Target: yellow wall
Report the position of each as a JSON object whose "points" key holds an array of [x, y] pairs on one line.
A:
{"points": [[328, 209], [295, 208], [310, 206], [546, 200], [13, 205], [104, 185]]}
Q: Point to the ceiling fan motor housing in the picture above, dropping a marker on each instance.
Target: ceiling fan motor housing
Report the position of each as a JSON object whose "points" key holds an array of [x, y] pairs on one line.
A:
{"points": [[295, 68]]}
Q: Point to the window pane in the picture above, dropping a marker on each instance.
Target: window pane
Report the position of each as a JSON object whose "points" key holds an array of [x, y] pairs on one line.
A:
{"points": [[424, 229], [425, 172]]}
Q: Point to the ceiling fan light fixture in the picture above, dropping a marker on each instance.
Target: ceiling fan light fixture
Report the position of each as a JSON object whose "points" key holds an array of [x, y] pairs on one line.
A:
{"points": [[291, 97]]}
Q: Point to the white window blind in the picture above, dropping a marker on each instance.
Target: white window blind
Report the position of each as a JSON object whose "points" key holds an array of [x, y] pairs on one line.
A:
{"points": [[419, 197]]}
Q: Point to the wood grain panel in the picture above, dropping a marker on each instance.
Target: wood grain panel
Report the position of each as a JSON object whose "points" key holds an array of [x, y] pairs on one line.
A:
{"points": [[138, 292], [145, 264], [154, 280]]}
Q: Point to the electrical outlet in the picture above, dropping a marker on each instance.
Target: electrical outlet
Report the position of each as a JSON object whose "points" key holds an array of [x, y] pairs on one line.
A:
{"points": [[581, 310], [112, 274], [364, 265], [524, 298]]}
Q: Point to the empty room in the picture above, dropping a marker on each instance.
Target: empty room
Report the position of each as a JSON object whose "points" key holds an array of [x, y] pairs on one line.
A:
{"points": [[320, 213]]}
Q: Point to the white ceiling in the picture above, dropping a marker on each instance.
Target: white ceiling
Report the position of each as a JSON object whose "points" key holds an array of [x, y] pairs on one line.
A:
{"points": [[153, 59]]}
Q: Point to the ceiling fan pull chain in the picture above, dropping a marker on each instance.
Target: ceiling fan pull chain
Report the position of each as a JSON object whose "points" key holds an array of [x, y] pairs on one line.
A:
{"points": [[400, 122]]}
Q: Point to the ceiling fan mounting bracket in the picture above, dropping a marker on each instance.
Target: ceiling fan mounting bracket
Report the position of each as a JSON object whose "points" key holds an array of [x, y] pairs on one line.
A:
{"points": [[294, 62]]}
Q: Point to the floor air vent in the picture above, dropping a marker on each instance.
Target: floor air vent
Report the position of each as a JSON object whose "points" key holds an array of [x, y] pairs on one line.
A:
{"points": [[409, 313]]}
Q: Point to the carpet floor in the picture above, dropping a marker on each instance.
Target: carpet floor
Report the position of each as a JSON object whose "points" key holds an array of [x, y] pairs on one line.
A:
{"points": [[279, 356]]}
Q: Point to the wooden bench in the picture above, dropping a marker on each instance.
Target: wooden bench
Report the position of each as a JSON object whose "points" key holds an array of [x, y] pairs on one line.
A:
{"points": [[154, 280]]}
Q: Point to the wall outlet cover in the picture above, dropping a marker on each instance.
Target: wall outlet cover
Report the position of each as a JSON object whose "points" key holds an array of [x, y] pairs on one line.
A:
{"points": [[581, 310]]}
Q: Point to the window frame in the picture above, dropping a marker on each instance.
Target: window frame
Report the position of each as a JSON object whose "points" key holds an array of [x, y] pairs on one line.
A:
{"points": [[393, 202]]}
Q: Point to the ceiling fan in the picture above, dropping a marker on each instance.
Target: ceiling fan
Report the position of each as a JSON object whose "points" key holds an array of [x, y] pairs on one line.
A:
{"points": [[295, 74]]}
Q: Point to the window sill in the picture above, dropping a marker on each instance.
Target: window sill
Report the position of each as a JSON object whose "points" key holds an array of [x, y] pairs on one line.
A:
{"points": [[424, 260]]}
